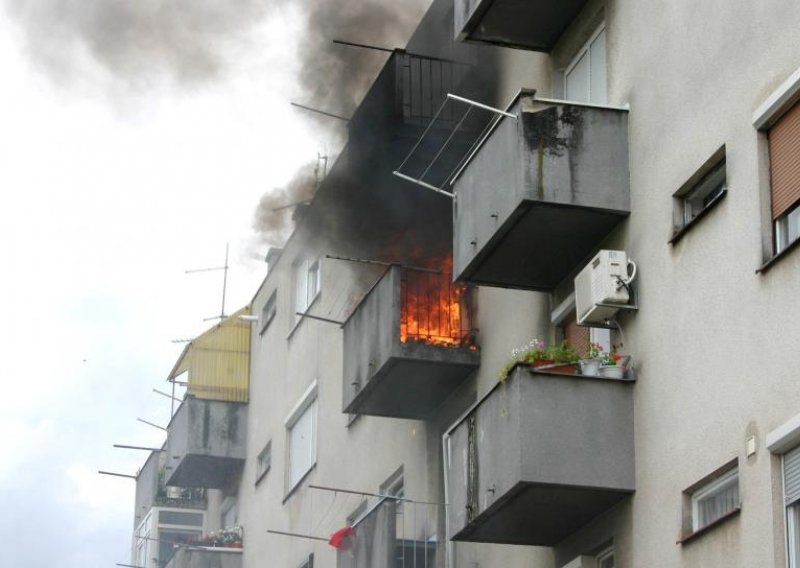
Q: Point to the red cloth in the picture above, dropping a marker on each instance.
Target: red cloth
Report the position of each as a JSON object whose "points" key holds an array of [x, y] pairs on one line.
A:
{"points": [[340, 539]]}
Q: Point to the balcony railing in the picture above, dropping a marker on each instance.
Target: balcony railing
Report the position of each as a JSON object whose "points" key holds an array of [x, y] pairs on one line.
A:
{"points": [[393, 534], [538, 457], [408, 344]]}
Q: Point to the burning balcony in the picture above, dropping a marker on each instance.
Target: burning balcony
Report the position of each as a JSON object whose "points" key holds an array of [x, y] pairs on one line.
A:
{"points": [[408, 345], [531, 24], [538, 457], [540, 193], [206, 443]]}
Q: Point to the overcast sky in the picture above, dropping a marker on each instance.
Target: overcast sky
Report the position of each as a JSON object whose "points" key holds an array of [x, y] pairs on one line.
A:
{"points": [[137, 138], [112, 186]]}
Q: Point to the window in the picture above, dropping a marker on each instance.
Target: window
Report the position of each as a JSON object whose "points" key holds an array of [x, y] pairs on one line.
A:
{"points": [[263, 462], [585, 76], [302, 438], [306, 286], [308, 562], [699, 194], [230, 513], [791, 494], [711, 500], [606, 559], [784, 169], [268, 311]]}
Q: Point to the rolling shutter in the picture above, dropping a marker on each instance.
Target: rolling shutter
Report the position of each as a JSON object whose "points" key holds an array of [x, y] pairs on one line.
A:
{"points": [[791, 475], [784, 159]]}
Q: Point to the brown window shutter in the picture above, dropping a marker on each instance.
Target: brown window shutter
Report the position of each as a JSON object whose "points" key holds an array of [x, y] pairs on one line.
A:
{"points": [[576, 335], [784, 161]]}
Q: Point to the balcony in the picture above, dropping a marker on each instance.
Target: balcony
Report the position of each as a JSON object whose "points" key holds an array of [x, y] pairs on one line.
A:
{"points": [[392, 534], [525, 24], [408, 345], [540, 193], [206, 443], [538, 457], [196, 557]]}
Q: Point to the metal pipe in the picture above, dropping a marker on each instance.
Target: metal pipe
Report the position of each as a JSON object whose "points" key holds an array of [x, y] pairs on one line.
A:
{"points": [[383, 263], [151, 424], [100, 471], [481, 105], [326, 320], [422, 183], [330, 114], [138, 448], [369, 494], [166, 394], [298, 535], [364, 45]]}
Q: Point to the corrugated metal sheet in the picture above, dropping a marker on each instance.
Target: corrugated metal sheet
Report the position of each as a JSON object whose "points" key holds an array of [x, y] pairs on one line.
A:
{"points": [[784, 158], [218, 361]]}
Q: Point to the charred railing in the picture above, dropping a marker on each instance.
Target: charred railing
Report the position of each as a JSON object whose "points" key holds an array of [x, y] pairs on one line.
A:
{"points": [[408, 344]]}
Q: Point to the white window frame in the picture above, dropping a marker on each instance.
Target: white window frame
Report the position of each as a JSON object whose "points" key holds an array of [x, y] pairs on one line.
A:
{"points": [[307, 403], [586, 50], [306, 286], [711, 489], [783, 440]]}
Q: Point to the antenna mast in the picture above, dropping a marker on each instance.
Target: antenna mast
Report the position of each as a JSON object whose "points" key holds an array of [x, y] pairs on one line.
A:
{"points": [[224, 269]]}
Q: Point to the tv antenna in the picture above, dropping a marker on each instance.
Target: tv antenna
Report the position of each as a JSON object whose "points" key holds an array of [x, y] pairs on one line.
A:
{"points": [[224, 269]]}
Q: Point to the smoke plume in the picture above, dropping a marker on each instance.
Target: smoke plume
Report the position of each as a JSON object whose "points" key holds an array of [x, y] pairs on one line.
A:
{"points": [[137, 42], [278, 206], [335, 77]]}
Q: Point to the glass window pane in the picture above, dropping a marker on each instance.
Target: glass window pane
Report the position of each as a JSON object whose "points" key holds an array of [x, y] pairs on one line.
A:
{"points": [[300, 286], [793, 530], [577, 81], [716, 500], [597, 70], [301, 445]]}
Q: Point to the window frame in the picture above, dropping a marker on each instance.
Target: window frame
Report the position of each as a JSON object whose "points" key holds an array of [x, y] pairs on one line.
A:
{"points": [[268, 311], [586, 50], [262, 469], [775, 106], [307, 403], [710, 485], [305, 272], [681, 198]]}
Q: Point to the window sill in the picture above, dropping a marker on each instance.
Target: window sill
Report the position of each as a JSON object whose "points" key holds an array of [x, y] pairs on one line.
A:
{"points": [[678, 235], [297, 485], [703, 530], [261, 476], [772, 261]]}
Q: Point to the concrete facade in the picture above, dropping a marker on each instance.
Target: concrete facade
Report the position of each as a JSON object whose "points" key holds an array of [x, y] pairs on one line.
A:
{"points": [[713, 340]]}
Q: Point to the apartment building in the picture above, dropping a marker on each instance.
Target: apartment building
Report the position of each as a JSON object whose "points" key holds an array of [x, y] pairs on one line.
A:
{"points": [[667, 133]]}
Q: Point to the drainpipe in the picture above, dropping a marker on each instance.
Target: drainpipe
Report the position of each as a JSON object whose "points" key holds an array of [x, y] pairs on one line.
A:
{"points": [[451, 557]]}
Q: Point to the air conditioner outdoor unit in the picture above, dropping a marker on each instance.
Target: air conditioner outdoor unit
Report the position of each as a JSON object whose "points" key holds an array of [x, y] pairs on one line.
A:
{"points": [[601, 288]]}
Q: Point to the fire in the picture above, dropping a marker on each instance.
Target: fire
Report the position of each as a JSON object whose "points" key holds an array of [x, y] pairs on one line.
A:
{"points": [[434, 310]]}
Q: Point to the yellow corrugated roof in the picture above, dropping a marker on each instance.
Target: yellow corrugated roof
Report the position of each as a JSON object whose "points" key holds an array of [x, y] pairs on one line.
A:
{"points": [[218, 361]]}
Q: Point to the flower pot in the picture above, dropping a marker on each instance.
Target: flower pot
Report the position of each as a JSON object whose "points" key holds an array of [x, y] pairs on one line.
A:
{"points": [[612, 371], [591, 366], [553, 367]]}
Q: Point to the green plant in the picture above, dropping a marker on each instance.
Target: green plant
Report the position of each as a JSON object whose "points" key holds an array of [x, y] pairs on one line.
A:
{"points": [[538, 350]]}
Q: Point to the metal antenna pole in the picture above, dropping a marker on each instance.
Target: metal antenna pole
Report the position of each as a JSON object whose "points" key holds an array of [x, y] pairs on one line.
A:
{"points": [[224, 282]]}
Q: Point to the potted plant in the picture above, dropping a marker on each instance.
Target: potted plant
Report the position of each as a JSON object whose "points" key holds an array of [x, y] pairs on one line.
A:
{"points": [[612, 366], [556, 358], [591, 364]]}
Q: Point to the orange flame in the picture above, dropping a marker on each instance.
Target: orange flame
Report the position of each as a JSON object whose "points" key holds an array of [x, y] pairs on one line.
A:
{"points": [[434, 310]]}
